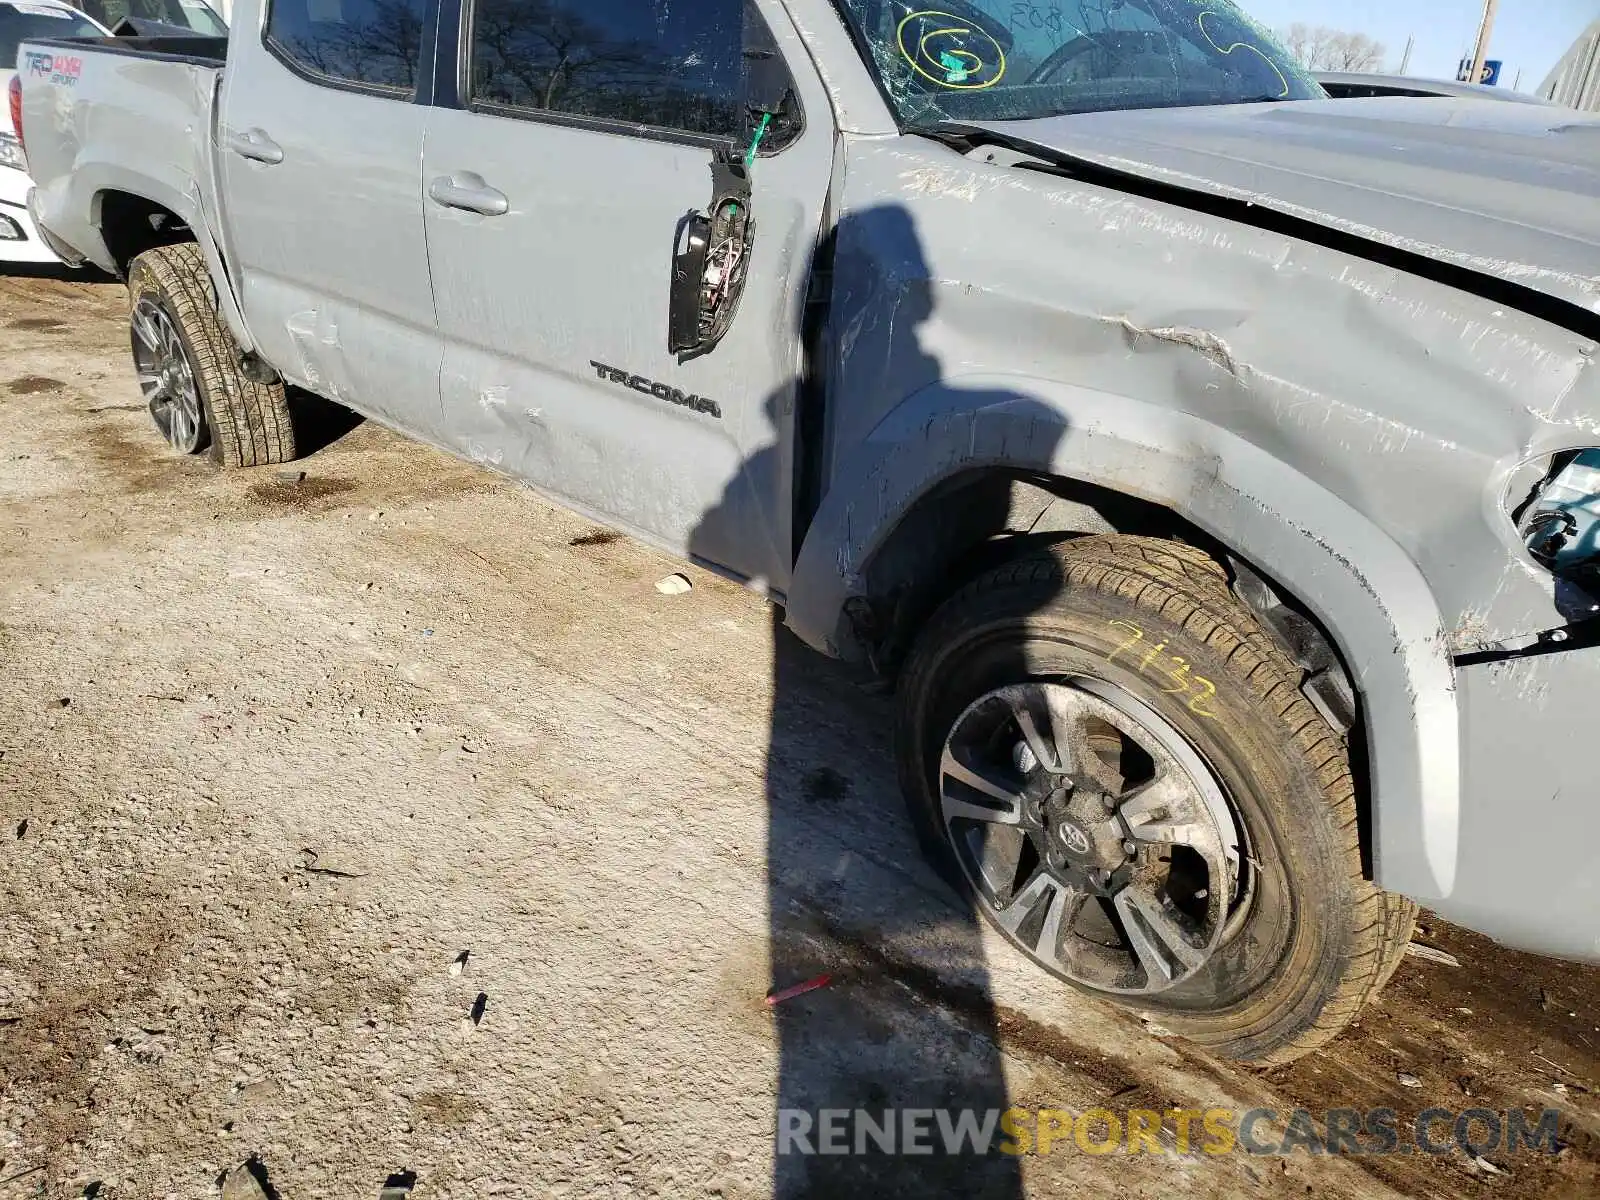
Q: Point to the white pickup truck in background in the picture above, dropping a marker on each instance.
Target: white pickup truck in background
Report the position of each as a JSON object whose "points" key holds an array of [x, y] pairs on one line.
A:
{"points": [[19, 19]]}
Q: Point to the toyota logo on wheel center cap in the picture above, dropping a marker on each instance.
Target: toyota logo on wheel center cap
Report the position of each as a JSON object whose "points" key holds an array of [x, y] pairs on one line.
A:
{"points": [[1073, 839]]}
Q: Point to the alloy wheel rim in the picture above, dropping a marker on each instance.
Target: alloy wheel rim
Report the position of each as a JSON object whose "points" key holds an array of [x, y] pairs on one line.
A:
{"points": [[1095, 837], [166, 377]]}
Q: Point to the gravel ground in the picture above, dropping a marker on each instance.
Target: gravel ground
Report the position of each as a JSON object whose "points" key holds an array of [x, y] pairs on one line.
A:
{"points": [[389, 822]]}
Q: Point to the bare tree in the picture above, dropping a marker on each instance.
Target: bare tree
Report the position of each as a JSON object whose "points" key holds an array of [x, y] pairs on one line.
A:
{"points": [[1300, 40], [1355, 52], [1319, 48]]}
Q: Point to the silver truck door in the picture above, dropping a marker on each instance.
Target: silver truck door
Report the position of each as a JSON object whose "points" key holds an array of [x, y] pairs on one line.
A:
{"points": [[558, 192], [320, 143]]}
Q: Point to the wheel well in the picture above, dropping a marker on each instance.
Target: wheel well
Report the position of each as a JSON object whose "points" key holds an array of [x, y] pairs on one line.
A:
{"points": [[975, 521], [980, 519], [131, 224]]}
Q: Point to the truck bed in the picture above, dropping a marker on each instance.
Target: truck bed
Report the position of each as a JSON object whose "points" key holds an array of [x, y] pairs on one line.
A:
{"points": [[194, 49], [113, 116]]}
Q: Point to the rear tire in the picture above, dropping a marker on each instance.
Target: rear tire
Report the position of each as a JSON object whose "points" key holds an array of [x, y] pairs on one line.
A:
{"points": [[1135, 652], [246, 424]]}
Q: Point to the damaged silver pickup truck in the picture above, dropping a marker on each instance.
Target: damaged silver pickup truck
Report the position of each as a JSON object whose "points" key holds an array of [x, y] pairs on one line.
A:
{"points": [[1214, 466]]}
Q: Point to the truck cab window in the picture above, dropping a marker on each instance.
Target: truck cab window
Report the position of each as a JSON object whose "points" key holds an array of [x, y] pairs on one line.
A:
{"points": [[185, 14], [17, 25], [660, 63], [375, 44]]}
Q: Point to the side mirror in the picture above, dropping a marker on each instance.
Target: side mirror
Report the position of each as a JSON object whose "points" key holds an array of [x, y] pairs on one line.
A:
{"points": [[711, 249], [684, 313]]}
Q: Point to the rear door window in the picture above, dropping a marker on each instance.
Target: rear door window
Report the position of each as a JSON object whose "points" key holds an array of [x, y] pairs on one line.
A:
{"points": [[372, 45]]}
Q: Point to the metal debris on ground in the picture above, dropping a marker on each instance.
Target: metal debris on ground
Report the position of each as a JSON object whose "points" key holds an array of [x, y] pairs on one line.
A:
{"points": [[312, 859], [674, 585], [1429, 954], [798, 989], [247, 1181], [1408, 1080]]}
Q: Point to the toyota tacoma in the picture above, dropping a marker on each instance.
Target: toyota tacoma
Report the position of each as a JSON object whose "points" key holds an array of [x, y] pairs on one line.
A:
{"points": [[1214, 467]]}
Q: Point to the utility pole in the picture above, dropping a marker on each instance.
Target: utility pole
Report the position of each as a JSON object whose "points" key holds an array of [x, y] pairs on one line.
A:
{"points": [[1405, 63], [1485, 31]]}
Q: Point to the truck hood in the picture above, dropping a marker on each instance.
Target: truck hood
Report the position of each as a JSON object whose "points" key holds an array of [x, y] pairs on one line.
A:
{"points": [[1505, 190]]}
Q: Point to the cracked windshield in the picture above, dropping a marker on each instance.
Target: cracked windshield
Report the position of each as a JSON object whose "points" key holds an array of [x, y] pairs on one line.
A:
{"points": [[1009, 60]]}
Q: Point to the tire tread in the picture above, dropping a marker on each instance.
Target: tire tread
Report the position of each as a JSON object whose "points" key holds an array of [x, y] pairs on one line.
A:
{"points": [[250, 423], [1189, 588]]}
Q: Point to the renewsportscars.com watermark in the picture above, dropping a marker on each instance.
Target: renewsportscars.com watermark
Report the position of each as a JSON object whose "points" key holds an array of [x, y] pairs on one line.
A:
{"points": [[1214, 1131]]}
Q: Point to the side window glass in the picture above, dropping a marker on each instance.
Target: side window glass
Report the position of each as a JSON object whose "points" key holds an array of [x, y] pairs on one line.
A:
{"points": [[376, 44], [666, 64]]}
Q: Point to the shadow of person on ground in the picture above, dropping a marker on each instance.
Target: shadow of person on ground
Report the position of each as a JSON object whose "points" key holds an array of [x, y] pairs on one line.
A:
{"points": [[907, 1021]]}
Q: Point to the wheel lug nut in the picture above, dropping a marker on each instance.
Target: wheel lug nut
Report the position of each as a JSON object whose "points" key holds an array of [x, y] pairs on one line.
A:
{"points": [[1023, 757]]}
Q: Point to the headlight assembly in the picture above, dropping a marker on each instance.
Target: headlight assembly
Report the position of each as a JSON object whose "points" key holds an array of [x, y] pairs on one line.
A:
{"points": [[11, 153]]}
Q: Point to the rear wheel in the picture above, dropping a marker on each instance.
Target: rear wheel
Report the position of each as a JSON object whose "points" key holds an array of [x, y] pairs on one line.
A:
{"points": [[1113, 760], [188, 366]]}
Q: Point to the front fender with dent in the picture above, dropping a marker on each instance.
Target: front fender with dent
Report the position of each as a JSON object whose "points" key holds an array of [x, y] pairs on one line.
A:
{"points": [[1362, 586]]}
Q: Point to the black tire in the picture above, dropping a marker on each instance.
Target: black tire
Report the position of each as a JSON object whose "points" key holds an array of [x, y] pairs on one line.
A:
{"points": [[1316, 940], [248, 423]]}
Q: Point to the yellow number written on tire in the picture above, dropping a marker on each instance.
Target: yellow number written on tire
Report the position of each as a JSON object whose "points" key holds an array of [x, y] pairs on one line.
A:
{"points": [[1157, 664]]}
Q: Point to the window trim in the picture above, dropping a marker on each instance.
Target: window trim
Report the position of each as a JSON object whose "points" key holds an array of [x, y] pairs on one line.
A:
{"points": [[606, 125], [427, 61]]}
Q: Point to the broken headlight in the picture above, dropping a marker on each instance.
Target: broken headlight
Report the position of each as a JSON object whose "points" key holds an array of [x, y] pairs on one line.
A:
{"points": [[1560, 525]]}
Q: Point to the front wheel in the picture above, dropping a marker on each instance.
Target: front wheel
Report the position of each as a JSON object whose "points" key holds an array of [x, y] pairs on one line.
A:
{"points": [[1113, 760]]}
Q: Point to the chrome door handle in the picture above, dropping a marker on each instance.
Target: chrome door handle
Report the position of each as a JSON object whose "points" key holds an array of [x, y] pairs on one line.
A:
{"points": [[468, 192], [255, 145]]}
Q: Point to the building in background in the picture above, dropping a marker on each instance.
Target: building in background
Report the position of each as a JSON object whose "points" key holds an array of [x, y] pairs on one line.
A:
{"points": [[1576, 80]]}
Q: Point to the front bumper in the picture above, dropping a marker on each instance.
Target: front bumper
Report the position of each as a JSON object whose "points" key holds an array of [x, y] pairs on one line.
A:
{"points": [[1530, 806], [19, 236]]}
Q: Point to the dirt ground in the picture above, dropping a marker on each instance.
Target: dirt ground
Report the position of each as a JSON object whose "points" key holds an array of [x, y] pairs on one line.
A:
{"points": [[276, 751]]}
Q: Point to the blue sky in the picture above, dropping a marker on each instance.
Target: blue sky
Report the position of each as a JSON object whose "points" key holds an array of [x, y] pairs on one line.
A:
{"points": [[1530, 35]]}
